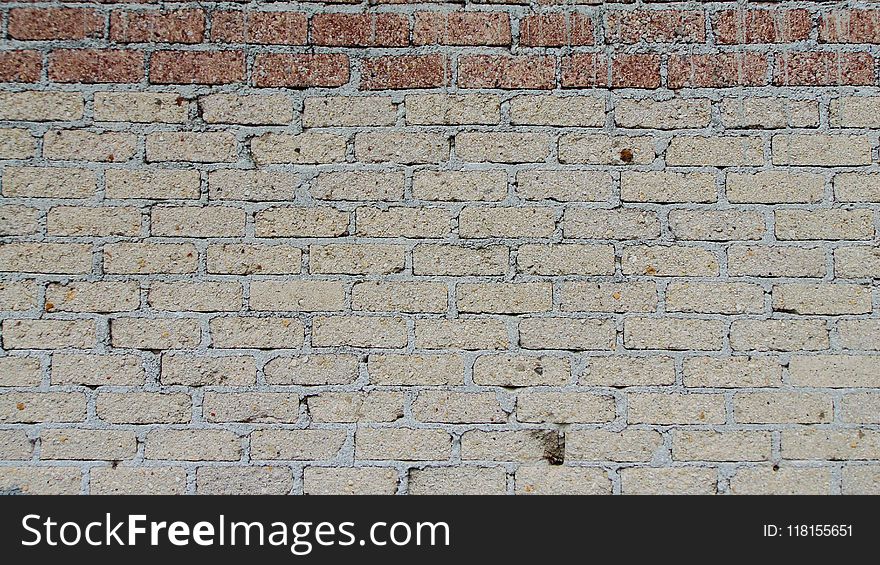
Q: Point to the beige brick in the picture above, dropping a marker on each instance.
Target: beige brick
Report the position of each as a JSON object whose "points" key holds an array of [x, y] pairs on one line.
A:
{"points": [[349, 480], [48, 182], [41, 480], [461, 334], [457, 407], [859, 334], [564, 408], [246, 259], [329, 111], [34, 407], [192, 445], [836, 371], [196, 296], [775, 261], [821, 150], [696, 445], [197, 147], [857, 262], [144, 408], [15, 445], [675, 113], [558, 479], [93, 297], [147, 258], [667, 187], [233, 184], [566, 333], [732, 372], [74, 444], [19, 220], [680, 334], [257, 333], [443, 109], [299, 149], [372, 406], [143, 333], [63, 258], [18, 296], [602, 149], [289, 221], [155, 184], [564, 186], [622, 371], [359, 185], [675, 408], [402, 444], [312, 370], [721, 225], [132, 480], [824, 224], [455, 260], [141, 107], [403, 222], [297, 296], [855, 112], [822, 298], [502, 147], [668, 261], [96, 370], [518, 445], [860, 408], [778, 335], [189, 221], [551, 110], [504, 298], [249, 407], [415, 369], [857, 187], [768, 113], [772, 187], [608, 297], [189, 370], [620, 223], [675, 480], [457, 481], [406, 148], [715, 151], [33, 106], [254, 109], [77, 145], [459, 186], [861, 479], [782, 408], [628, 445], [101, 222], [244, 480], [515, 222], [359, 331], [834, 445], [510, 370], [708, 298], [357, 258], [16, 144], [566, 259], [781, 481], [48, 334], [394, 296]]}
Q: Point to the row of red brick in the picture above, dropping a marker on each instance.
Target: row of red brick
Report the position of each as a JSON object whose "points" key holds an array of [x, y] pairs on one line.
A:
{"points": [[579, 70], [552, 29]]}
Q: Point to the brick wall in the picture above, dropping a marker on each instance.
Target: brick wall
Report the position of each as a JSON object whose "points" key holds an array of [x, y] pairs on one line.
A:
{"points": [[384, 247]]}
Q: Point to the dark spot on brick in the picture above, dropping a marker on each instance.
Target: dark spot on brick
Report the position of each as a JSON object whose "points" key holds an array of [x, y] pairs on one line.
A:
{"points": [[626, 155], [554, 445]]}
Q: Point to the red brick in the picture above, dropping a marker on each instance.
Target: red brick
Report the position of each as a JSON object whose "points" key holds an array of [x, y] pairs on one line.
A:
{"points": [[655, 26], [360, 30], [717, 70], [503, 71], [556, 30], [282, 28], [461, 28], [227, 27], [301, 70], [584, 70], [824, 69], [96, 65], [179, 26], [20, 66], [55, 23], [406, 71], [196, 67], [850, 26], [638, 70], [761, 26]]}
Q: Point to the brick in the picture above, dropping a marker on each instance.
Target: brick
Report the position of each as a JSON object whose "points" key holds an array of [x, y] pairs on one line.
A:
{"points": [[228, 370], [768, 113], [629, 445], [34, 106], [857, 187], [156, 184], [244, 480], [461, 334], [54, 182], [256, 333], [197, 67], [715, 151], [707, 225], [667, 187], [96, 370], [557, 480], [821, 150], [732, 372], [402, 148], [714, 298], [623, 371], [502, 147], [279, 28], [620, 223], [459, 186], [300, 70], [655, 26], [457, 481], [395, 72], [41, 480], [454, 260], [519, 445], [861, 479], [144, 258], [452, 109], [195, 296], [824, 299], [834, 371], [143, 333], [775, 261], [772, 187], [64, 258], [761, 26], [358, 185], [48, 334], [297, 296], [859, 334], [556, 30], [824, 224], [717, 70], [308, 147], [564, 186], [233, 184], [140, 107], [16, 144], [408, 297], [782, 408], [144, 408], [668, 261], [360, 30], [93, 297], [673, 408], [834, 445], [461, 28], [189, 221], [198, 147], [254, 109], [192, 445], [301, 222], [599, 149], [18, 296], [522, 221], [312, 370], [74, 444], [506, 72], [581, 111], [55, 23], [20, 66], [244, 259], [402, 444], [778, 335], [373, 406], [781, 481], [520, 370], [329, 111], [850, 26], [854, 112], [415, 369], [566, 333], [457, 407], [100, 222], [342, 258], [633, 70], [96, 65], [359, 331], [250, 407], [19, 371], [584, 70], [19, 220], [36, 407], [823, 68], [504, 298], [564, 408], [676, 113], [178, 26], [349, 480], [720, 446], [857, 261], [566, 259], [14, 445], [673, 333], [403, 222]]}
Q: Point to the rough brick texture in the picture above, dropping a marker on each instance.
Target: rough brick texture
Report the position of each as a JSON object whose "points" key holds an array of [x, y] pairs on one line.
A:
{"points": [[427, 247]]}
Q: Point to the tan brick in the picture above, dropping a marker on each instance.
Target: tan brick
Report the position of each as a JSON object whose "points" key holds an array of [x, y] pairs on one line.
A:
{"points": [[668, 261], [144, 408], [155, 184], [246, 259], [357, 258], [372, 406], [836, 371], [622, 371], [782, 408], [19, 220], [297, 296], [457, 407], [359, 331], [602, 149], [455, 260], [403, 222], [244, 480], [96, 370], [564, 408], [192, 445], [461, 334], [233, 184], [510, 370], [34, 106], [34, 407], [721, 298], [393, 296], [196, 296], [197, 147], [48, 334], [667, 187], [329, 111], [143, 333], [518, 222], [16, 144], [620, 223], [459, 186], [566, 259], [857, 187], [93, 297], [859, 334], [775, 261], [76, 145], [822, 298], [778, 335], [147, 258], [18, 296], [48, 182], [519, 445], [189, 221], [312, 370], [716, 151], [855, 112], [566, 333], [824, 224], [720, 225], [349, 480], [253, 109], [406, 148], [861, 479], [628, 445], [781, 481], [257, 333], [358, 185], [771, 187], [41, 480], [833, 445], [551, 110], [821, 150], [141, 107], [74, 444], [558, 479], [857, 262], [101, 222], [732, 372], [189, 370], [564, 186], [443, 109], [298, 221], [676, 480], [768, 113], [457, 481], [675, 113], [264, 407], [675, 408], [860, 408], [608, 297], [15, 445], [402, 444], [502, 147], [63, 258], [415, 369], [698, 445], [504, 298], [673, 333]]}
